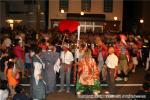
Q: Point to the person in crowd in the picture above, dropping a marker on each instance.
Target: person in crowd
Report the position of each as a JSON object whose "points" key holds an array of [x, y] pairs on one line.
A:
{"points": [[130, 45], [43, 44], [101, 57], [65, 70], [20, 95], [139, 43], [7, 42], [147, 62], [27, 61], [12, 81], [21, 37], [79, 53], [4, 57], [38, 85], [80, 50], [3, 90], [88, 75], [134, 50], [19, 53], [95, 52], [111, 63], [145, 53], [49, 58], [121, 51], [58, 47], [16, 68]]}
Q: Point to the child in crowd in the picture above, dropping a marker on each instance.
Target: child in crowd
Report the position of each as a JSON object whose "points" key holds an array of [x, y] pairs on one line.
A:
{"points": [[11, 74]]}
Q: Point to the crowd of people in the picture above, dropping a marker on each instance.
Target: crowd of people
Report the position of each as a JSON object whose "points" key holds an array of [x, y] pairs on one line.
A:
{"points": [[93, 59]]}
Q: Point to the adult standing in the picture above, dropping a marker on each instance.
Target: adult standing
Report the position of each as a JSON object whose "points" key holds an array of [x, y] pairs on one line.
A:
{"points": [[37, 82], [101, 57], [20, 54], [123, 56], [49, 58], [111, 64], [66, 60]]}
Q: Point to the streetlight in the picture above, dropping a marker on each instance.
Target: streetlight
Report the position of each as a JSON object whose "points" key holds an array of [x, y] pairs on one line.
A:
{"points": [[141, 21], [62, 11], [42, 13], [141, 24], [82, 13], [11, 23], [115, 18]]}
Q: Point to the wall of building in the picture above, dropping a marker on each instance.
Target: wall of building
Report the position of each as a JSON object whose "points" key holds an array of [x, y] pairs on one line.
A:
{"points": [[17, 9], [96, 8], [2, 14]]}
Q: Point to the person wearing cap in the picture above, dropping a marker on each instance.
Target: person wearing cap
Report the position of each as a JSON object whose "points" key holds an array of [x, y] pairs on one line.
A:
{"points": [[66, 61]]}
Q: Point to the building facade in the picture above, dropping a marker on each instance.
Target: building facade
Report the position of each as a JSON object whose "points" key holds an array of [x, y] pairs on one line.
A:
{"points": [[30, 12], [97, 15]]}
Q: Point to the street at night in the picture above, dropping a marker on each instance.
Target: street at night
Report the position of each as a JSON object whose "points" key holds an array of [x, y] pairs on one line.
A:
{"points": [[74, 50]]}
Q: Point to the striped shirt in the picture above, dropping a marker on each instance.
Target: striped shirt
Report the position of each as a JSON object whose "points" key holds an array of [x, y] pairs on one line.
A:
{"points": [[112, 61]]}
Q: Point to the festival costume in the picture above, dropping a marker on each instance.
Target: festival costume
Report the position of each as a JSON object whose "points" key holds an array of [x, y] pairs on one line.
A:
{"points": [[88, 76]]}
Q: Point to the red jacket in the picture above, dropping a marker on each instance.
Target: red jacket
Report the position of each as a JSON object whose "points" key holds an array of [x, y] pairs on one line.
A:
{"points": [[19, 52]]}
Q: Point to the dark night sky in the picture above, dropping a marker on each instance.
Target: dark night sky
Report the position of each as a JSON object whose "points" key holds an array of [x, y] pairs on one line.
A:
{"points": [[131, 13], [134, 10]]}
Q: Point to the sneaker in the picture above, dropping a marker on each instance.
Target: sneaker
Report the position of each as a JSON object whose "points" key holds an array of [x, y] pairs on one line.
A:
{"points": [[68, 91], [118, 79], [61, 90], [125, 79]]}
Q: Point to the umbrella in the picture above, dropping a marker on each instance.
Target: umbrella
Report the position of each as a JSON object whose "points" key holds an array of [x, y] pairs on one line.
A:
{"points": [[68, 25]]}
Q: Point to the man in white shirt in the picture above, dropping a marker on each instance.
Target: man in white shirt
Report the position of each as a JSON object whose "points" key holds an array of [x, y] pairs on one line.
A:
{"points": [[111, 63], [65, 70]]}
